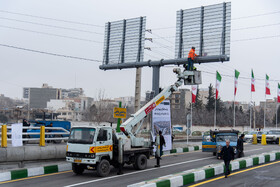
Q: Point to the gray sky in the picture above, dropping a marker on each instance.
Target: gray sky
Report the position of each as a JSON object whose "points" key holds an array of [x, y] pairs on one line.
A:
{"points": [[25, 69]]}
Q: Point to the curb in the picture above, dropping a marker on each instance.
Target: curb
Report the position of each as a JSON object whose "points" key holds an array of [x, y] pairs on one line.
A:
{"points": [[183, 150], [23, 173], [195, 175]]}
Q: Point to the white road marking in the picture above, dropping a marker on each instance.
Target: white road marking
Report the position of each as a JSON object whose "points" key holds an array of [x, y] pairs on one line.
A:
{"points": [[170, 165], [253, 150]]}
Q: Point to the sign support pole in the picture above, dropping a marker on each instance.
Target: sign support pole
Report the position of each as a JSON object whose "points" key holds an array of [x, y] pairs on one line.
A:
{"points": [[119, 119]]}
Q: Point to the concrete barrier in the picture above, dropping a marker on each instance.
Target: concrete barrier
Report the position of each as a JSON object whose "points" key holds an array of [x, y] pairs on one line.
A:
{"points": [[27, 153], [195, 175]]}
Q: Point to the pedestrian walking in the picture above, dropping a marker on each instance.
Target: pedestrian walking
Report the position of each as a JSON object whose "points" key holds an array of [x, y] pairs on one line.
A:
{"points": [[240, 147], [227, 154]]}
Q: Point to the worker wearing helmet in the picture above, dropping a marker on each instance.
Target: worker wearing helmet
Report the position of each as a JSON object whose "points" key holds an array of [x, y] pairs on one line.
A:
{"points": [[191, 57]]}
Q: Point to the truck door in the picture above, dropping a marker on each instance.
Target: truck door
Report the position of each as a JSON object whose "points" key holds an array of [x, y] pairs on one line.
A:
{"points": [[104, 143], [208, 144]]}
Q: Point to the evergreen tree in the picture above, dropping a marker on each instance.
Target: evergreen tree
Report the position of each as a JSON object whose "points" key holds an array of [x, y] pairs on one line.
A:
{"points": [[198, 101], [210, 99]]}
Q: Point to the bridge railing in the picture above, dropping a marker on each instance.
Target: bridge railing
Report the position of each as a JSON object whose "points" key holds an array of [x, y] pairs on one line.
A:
{"points": [[54, 134]]}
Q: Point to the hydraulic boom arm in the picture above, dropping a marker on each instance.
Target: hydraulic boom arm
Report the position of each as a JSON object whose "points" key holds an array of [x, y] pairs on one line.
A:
{"points": [[129, 124]]}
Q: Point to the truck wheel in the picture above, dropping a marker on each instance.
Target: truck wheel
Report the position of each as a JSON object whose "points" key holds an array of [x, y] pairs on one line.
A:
{"points": [[78, 169], [103, 168], [277, 141], [214, 153], [141, 162]]}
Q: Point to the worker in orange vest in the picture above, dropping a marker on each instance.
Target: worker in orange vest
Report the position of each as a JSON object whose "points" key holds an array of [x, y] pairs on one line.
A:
{"points": [[191, 57]]}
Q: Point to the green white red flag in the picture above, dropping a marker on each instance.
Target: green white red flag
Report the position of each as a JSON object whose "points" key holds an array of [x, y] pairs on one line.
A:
{"points": [[267, 87], [194, 92], [236, 75], [278, 93], [253, 82], [218, 83]]}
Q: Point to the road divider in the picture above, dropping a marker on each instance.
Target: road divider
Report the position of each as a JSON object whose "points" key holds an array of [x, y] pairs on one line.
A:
{"points": [[30, 172], [195, 175]]}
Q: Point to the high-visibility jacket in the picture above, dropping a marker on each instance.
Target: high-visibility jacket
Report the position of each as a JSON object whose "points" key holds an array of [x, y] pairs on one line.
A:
{"points": [[192, 54]]}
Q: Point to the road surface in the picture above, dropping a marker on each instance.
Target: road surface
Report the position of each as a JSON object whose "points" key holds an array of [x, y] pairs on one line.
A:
{"points": [[169, 165]]}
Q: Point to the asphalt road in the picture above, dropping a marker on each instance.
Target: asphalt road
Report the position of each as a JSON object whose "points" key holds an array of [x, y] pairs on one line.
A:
{"points": [[169, 165], [263, 175]]}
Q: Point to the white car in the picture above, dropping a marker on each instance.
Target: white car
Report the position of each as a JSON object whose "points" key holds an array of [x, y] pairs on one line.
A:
{"points": [[248, 137]]}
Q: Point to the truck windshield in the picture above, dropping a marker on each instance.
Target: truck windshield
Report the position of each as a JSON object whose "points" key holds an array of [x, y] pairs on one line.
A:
{"points": [[223, 138], [81, 135]]}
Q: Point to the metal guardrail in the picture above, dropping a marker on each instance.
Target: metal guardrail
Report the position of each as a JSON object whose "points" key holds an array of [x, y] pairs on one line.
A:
{"points": [[49, 136]]}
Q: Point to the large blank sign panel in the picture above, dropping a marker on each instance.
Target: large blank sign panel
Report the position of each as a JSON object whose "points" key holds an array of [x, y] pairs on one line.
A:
{"points": [[124, 41], [206, 28]]}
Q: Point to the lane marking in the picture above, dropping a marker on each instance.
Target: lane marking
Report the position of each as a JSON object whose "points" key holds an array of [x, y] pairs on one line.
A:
{"points": [[235, 173], [36, 176], [136, 172]]}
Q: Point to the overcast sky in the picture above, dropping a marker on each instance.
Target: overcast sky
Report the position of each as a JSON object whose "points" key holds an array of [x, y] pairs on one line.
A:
{"points": [[26, 69]]}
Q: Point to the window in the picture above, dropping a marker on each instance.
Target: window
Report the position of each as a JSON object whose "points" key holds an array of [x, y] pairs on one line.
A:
{"points": [[102, 135], [64, 113], [177, 101]]}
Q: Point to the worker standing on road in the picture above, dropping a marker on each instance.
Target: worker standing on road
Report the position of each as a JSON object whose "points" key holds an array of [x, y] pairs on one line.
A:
{"points": [[240, 147], [228, 154], [191, 57], [162, 142]]}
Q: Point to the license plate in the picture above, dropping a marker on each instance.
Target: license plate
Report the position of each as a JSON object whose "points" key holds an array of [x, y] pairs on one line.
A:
{"points": [[77, 161]]}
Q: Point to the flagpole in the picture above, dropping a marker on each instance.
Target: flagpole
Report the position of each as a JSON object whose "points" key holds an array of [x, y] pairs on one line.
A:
{"points": [[190, 124], [264, 113], [234, 112], [215, 114], [276, 112], [251, 111]]}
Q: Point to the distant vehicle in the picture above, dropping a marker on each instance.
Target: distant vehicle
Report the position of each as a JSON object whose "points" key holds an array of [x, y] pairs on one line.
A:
{"points": [[64, 124], [259, 135], [218, 139], [273, 136], [248, 137], [177, 128]]}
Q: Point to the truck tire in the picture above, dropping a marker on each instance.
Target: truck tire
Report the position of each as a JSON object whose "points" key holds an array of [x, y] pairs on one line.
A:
{"points": [[140, 162], [214, 153], [103, 168], [78, 169]]}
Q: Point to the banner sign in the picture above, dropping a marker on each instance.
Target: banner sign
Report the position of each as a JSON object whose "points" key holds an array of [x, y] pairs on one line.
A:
{"points": [[162, 122], [17, 134]]}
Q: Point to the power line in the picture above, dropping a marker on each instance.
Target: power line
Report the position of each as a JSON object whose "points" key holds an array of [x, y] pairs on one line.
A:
{"points": [[53, 26], [256, 15], [53, 19], [50, 34], [49, 53], [244, 17]]}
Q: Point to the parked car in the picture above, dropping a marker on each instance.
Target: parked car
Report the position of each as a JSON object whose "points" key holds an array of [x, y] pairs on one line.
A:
{"points": [[273, 136]]}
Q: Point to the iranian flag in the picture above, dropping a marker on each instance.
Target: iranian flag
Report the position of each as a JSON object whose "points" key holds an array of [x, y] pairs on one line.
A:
{"points": [[218, 83], [278, 93], [194, 92], [236, 75], [253, 82], [267, 87]]}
